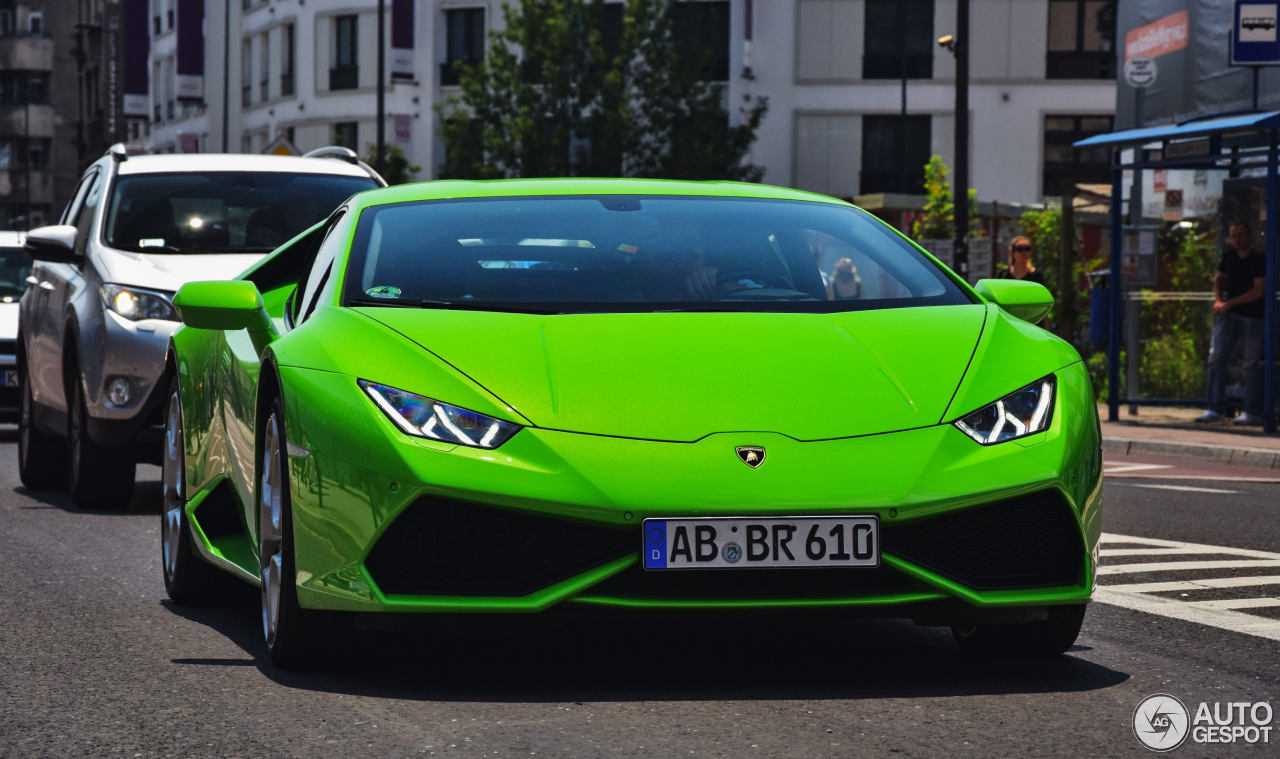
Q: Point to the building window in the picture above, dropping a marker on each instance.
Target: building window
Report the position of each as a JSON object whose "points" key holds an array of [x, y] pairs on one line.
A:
{"points": [[1082, 39], [35, 23], [169, 13], [156, 27], [264, 67], [1066, 166], [6, 21], [346, 134], [464, 42], [286, 60], [898, 39], [38, 153], [345, 74], [702, 37], [894, 152], [246, 76], [23, 87], [289, 133]]}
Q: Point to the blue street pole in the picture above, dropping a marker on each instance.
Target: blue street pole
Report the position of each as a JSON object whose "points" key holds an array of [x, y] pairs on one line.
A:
{"points": [[1117, 299], [1269, 305]]}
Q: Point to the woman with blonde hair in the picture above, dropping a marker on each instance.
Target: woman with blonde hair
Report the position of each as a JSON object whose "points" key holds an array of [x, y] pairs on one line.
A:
{"points": [[1020, 266]]}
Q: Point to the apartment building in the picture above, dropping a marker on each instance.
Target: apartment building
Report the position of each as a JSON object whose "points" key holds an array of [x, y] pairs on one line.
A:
{"points": [[860, 93], [108, 39], [37, 154]]}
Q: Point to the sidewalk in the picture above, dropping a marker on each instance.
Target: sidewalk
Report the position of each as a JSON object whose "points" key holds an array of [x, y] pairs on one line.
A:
{"points": [[1158, 431]]}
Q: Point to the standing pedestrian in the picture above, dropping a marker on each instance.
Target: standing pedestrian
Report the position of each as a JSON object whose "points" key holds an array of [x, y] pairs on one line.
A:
{"points": [[1238, 307], [1020, 266]]}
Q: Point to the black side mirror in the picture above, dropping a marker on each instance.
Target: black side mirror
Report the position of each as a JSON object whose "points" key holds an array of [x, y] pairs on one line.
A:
{"points": [[55, 244]]}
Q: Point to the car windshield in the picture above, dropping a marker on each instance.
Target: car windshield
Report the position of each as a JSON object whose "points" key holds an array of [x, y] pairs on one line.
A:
{"points": [[221, 211], [637, 253], [15, 265]]}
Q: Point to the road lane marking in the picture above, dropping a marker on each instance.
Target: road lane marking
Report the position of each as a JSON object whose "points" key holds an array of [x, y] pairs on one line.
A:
{"points": [[1183, 488], [1183, 566], [1196, 477], [1236, 603], [1135, 468], [1205, 584], [1223, 619], [1223, 614]]}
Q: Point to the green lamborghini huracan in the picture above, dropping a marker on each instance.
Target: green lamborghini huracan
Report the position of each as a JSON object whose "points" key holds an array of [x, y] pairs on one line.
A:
{"points": [[545, 397]]}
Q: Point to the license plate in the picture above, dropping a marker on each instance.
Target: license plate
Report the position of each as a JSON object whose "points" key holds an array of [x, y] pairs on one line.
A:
{"points": [[11, 378], [749, 543]]}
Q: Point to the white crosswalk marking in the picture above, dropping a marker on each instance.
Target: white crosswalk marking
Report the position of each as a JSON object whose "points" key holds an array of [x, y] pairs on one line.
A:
{"points": [[1185, 489], [1224, 614]]}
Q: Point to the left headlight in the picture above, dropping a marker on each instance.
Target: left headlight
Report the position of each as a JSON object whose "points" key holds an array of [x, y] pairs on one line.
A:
{"points": [[1018, 414], [136, 304], [423, 417]]}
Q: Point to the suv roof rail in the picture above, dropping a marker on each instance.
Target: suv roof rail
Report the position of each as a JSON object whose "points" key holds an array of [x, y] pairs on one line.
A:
{"points": [[119, 152], [335, 151]]}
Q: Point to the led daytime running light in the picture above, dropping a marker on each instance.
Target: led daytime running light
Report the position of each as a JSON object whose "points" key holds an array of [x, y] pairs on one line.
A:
{"points": [[424, 417], [1021, 413]]}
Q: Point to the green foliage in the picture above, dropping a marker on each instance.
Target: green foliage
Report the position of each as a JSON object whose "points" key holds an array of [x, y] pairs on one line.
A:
{"points": [[938, 222], [396, 169], [939, 217], [562, 94]]}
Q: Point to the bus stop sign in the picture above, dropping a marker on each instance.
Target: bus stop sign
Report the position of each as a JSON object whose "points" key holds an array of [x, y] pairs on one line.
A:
{"points": [[1254, 41]]}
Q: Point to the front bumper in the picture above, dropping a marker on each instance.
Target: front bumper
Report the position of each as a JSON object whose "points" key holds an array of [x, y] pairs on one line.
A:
{"points": [[136, 352], [1012, 525]]}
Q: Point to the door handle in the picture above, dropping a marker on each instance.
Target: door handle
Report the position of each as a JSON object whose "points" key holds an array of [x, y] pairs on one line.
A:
{"points": [[46, 286]]}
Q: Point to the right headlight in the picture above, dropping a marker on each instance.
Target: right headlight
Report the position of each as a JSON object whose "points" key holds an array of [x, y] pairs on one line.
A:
{"points": [[1018, 414], [135, 304], [425, 417]]}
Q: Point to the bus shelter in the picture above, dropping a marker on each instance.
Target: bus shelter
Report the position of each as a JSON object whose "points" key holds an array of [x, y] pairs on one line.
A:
{"points": [[1236, 143]]}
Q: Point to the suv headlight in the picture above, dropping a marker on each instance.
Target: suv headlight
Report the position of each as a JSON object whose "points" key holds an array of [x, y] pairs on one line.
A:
{"points": [[423, 417], [136, 304], [1018, 414]]}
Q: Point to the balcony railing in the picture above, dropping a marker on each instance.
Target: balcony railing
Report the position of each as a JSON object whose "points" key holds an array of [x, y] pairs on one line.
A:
{"points": [[344, 78]]}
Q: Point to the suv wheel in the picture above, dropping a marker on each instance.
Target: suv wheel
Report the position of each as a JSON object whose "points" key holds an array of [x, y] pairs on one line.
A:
{"points": [[101, 478], [42, 459]]}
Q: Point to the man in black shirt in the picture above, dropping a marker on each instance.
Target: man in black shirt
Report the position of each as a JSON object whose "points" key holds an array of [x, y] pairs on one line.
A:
{"points": [[1237, 301]]}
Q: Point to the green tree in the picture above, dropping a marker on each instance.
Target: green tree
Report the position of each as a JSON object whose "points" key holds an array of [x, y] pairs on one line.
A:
{"points": [[396, 169], [564, 91], [938, 221]]}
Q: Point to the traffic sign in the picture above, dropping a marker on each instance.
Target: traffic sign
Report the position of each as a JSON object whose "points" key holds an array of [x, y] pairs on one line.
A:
{"points": [[1254, 38], [1140, 71]]}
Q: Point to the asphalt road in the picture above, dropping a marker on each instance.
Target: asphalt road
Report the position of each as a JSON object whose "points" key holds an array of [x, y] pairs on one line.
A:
{"points": [[94, 660]]}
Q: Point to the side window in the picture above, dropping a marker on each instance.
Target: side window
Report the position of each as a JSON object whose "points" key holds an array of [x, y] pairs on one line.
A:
{"points": [[335, 237], [88, 209], [77, 197]]}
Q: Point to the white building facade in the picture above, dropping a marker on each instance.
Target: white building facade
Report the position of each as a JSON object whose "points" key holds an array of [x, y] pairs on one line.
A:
{"points": [[1042, 76]]}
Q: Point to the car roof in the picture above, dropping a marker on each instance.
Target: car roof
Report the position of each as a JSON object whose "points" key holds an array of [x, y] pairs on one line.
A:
{"points": [[184, 162], [498, 188]]}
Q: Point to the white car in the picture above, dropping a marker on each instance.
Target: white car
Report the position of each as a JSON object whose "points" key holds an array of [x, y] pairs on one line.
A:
{"points": [[15, 267], [97, 313]]}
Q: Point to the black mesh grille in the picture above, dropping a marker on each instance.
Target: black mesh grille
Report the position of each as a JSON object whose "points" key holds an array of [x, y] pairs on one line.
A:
{"points": [[756, 584], [1032, 541], [443, 547]]}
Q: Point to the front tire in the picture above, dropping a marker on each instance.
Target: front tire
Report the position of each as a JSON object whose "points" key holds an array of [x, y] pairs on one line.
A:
{"points": [[1033, 640], [289, 629], [42, 459], [187, 579], [100, 478]]}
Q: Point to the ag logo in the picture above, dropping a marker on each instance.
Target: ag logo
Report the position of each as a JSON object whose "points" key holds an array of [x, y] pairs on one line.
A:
{"points": [[1161, 722], [751, 455]]}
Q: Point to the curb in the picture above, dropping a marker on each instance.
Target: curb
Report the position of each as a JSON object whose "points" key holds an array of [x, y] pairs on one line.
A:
{"points": [[1258, 458]]}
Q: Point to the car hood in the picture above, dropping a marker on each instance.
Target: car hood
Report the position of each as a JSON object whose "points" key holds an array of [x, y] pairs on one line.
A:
{"points": [[171, 271], [683, 376]]}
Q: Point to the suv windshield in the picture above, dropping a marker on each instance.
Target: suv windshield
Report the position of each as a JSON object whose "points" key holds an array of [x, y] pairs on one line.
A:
{"points": [[221, 212], [637, 253], [15, 265]]}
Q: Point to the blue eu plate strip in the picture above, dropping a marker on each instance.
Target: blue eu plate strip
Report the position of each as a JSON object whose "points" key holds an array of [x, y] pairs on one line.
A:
{"points": [[655, 544]]}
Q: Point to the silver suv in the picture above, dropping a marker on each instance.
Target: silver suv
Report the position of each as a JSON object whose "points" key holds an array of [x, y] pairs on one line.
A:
{"points": [[96, 317]]}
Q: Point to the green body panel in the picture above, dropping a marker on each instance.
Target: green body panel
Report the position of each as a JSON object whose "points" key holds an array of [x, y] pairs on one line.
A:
{"points": [[1028, 301], [681, 377], [631, 416]]}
